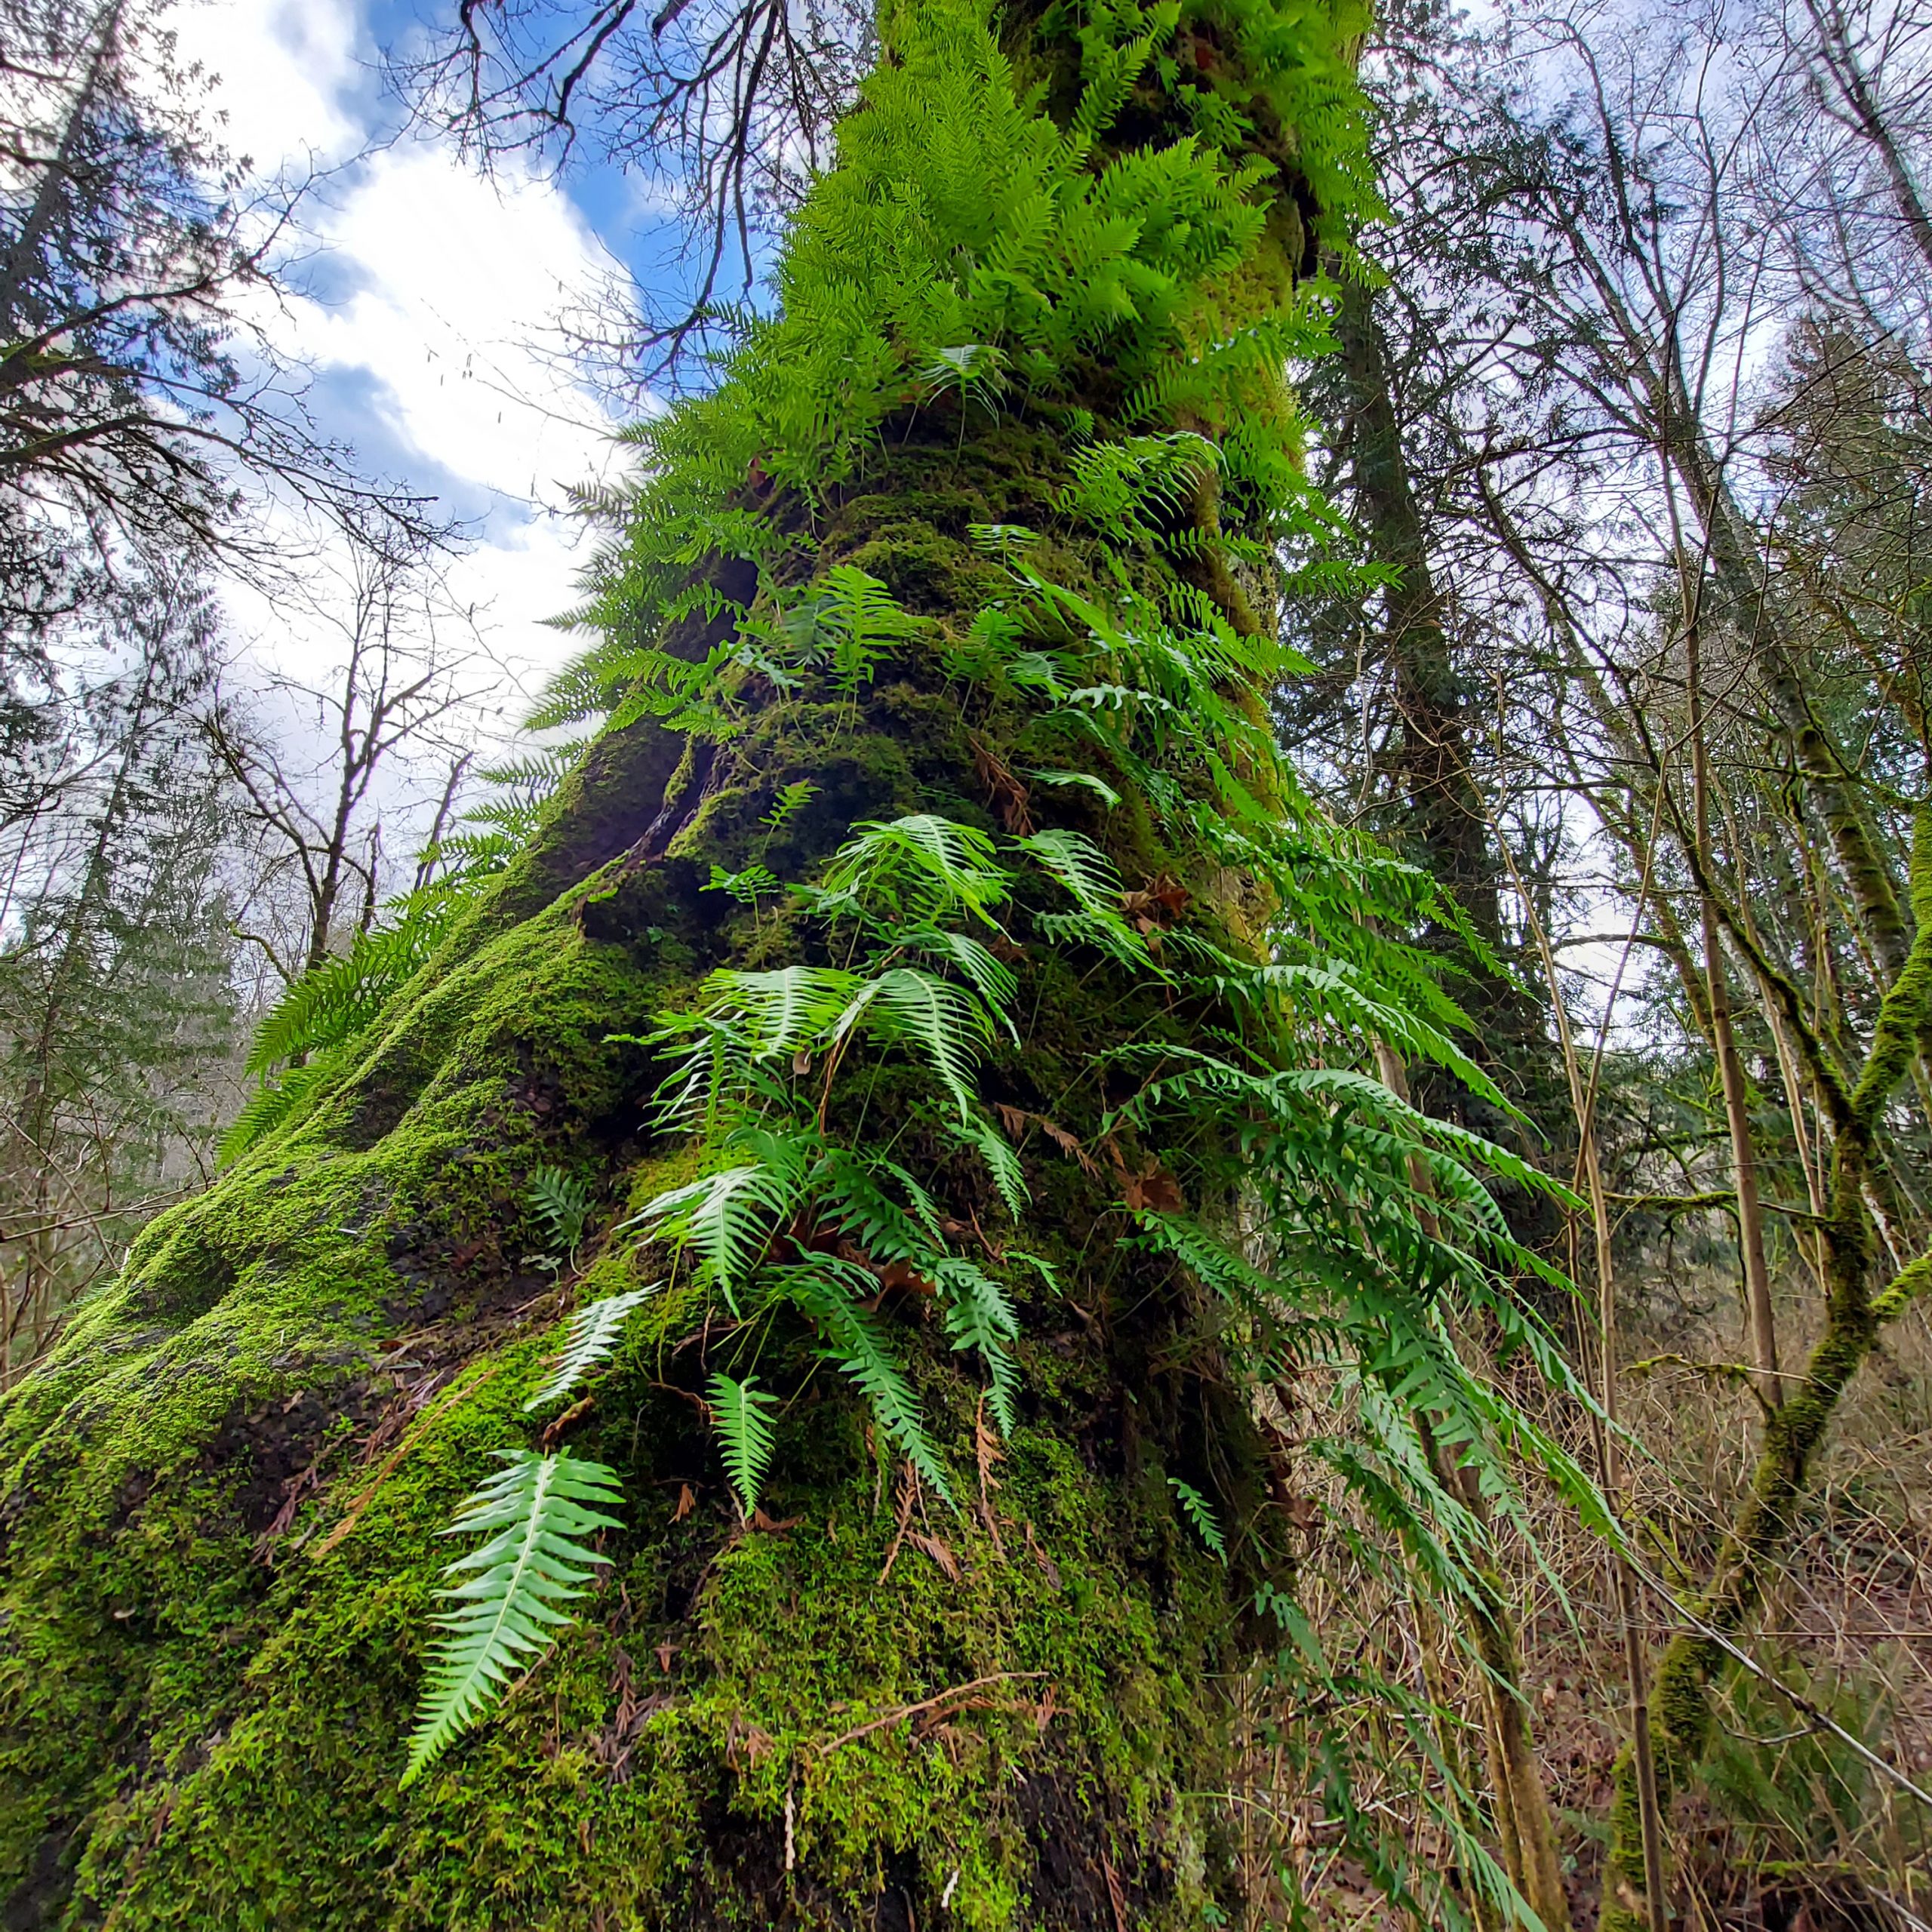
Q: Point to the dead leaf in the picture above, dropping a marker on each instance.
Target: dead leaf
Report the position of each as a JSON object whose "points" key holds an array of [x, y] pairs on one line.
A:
{"points": [[1048, 1567], [575, 1412], [745, 1745], [1010, 799], [687, 1503], [938, 1552], [1116, 1896], [1017, 1120], [768, 1526], [988, 1454], [1153, 1188], [900, 1274], [909, 1490], [666, 1651]]}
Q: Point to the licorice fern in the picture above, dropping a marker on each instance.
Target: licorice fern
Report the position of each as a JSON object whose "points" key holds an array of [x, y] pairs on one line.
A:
{"points": [[538, 1512], [741, 1414], [1200, 1512], [562, 1203], [1258, 1164], [589, 1342]]}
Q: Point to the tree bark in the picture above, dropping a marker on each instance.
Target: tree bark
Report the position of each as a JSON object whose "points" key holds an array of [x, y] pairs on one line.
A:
{"points": [[219, 1534]]}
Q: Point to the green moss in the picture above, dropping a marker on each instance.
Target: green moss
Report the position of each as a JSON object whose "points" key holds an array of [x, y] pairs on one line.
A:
{"points": [[223, 1492]]}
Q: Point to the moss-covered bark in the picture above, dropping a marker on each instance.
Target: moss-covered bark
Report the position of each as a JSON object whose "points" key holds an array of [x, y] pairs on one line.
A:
{"points": [[218, 1533]]}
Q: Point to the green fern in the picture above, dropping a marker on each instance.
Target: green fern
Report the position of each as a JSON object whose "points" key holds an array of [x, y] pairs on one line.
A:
{"points": [[538, 1512], [589, 1342], [741, 1414], [833, 1293], [942, 1024], [1201, 1513], [791, 801], [562, 1203]]}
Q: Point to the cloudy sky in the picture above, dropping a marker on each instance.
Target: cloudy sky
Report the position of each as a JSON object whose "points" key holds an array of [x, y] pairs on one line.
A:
{"points": [[425, 298]]}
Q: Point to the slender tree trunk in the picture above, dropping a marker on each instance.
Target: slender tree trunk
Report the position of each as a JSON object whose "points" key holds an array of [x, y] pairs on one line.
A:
{"points": [[41, 1098], [1759, 1539], [57, 178], [1761, 1319]]}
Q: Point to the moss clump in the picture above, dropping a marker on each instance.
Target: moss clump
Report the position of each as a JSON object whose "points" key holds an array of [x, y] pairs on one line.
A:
{"points": [[219, 1542]]}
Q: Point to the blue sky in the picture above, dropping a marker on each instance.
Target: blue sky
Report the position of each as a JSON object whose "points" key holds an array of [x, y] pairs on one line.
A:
{"points": [[424, 302]]}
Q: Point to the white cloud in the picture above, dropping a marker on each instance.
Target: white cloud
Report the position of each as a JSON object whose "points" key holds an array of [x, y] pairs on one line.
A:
{"points": [[452, 280], [462, 276]]}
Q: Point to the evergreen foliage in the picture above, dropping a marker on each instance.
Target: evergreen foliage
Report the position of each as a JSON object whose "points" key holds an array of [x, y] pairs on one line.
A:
{"points": [[538, 1512], [740, 1412], [590, 1341]]}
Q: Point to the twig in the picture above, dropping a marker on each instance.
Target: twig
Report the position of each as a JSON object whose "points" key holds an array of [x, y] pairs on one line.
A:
{"points": [[904, 1711]]}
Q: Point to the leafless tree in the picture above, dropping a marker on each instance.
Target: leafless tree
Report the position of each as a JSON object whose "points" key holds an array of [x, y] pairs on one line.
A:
{"points": [[330, 767]]}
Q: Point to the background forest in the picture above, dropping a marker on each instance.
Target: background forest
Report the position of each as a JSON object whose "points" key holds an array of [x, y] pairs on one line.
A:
{"points": [[1627, 414]]}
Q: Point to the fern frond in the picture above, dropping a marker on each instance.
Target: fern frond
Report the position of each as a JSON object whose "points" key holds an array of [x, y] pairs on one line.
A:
{"points": [[989, 977], [727, 1218], [1088, 876], [944, 1024], [993, 1148], [1200, 1512], [978, 1315], [831, 1294], [540, 1512], [741, 1414], [590, 1340], [276, 1100], [924, 865], [562, 1203]]}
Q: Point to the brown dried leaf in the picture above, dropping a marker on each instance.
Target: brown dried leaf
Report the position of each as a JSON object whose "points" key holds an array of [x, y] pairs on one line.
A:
{"points": [[1049, 1568], [938, 1551], [900, 1274], [1010, 799], [1154, 1189]]}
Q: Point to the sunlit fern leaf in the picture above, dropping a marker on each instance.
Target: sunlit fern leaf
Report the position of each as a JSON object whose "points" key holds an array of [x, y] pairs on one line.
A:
{"points": [[276, 1100], [989, 977], [1200, 1512], [539, 1513], [942, 1023], [923, 865], [590, 1341], [741, 1414], [726, 1219], [863, 619], [783, 1009]]}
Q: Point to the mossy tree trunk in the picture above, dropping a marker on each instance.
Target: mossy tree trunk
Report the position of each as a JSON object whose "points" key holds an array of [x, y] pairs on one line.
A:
{"points": [[218, 1539]]}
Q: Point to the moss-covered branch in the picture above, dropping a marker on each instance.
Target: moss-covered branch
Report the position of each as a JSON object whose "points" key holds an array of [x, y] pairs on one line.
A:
{"points": [[1755, 1544]]}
